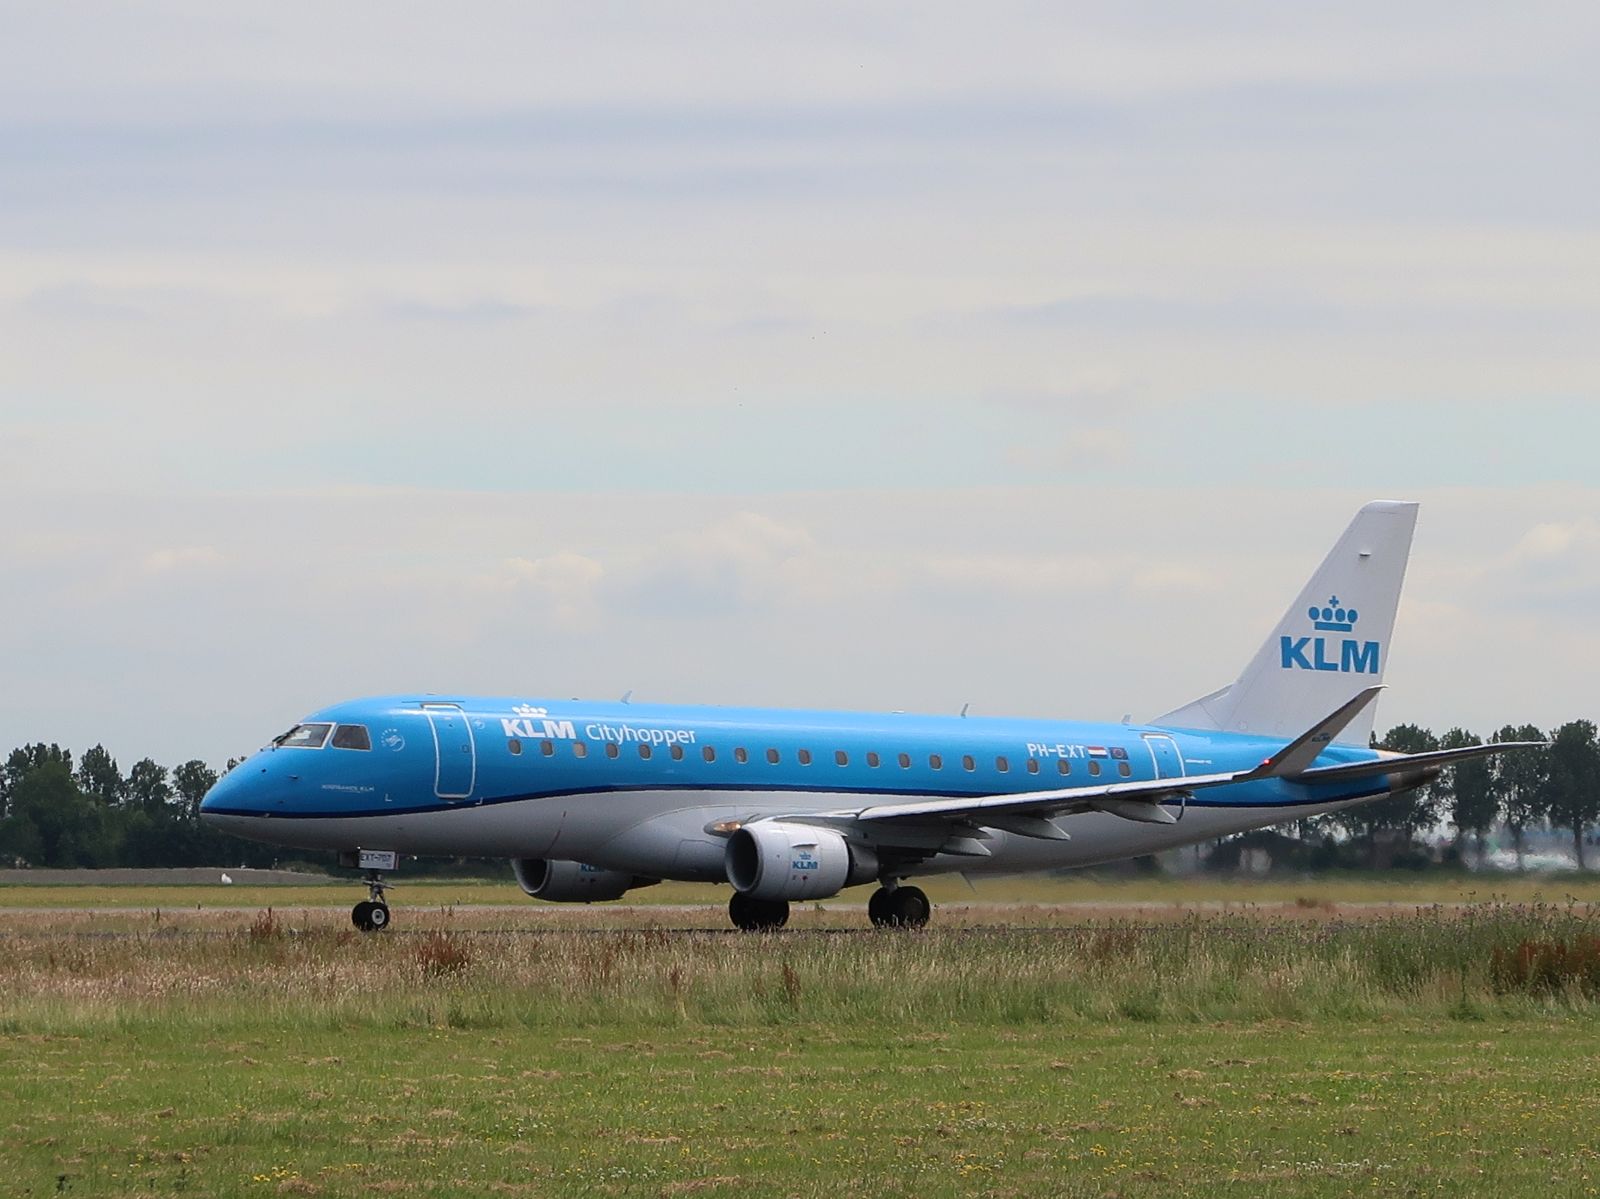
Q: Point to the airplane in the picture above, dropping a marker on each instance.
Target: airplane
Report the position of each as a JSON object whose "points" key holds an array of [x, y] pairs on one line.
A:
{"points": [[592, 800]]}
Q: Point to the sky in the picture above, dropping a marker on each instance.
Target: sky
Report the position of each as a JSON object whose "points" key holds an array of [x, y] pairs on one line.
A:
{"points": [[887, 356]]}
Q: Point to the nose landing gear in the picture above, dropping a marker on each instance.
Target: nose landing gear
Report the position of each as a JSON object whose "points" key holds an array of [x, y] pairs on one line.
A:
{"points": [[371, 915]]}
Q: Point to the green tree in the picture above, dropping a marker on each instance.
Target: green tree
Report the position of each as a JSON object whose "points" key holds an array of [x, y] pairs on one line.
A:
{"points": [[1397, 817], [1519, 782], [148, 788], [191, 781], [99, 778], [23, 761], [1572, 785], [1467, 791], [52, 823]]}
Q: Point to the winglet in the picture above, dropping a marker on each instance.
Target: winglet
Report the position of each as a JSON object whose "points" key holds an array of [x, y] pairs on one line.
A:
{"points": [[1298, 755]]}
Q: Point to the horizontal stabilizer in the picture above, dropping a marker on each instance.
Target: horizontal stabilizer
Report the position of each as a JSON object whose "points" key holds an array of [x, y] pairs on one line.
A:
{"points": [[1405, 763], [1296, 757]]}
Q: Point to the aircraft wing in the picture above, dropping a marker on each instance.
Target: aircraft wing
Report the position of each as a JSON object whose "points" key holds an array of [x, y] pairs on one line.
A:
{"points": [[1141, 801], [1128, 797], [1029, 813]]}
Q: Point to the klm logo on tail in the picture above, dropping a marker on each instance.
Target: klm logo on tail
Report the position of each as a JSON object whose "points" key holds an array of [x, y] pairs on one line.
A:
{"points": [[1343, 654]]}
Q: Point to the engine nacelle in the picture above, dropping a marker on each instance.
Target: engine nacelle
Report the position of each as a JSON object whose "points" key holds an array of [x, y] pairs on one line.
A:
{"points": [[773, 860], [573, 882]]}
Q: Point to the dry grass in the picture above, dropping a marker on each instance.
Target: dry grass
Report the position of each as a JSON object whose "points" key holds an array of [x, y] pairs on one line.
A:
{"points": [[68, 970]]}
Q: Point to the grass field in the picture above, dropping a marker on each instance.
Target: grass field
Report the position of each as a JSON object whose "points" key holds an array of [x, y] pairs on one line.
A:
{"points": [[1440, 1050], [805, 1109]]}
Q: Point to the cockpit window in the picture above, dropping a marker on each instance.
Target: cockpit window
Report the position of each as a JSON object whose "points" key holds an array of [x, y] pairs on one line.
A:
{"points": [[304, 736], [351, 736]]}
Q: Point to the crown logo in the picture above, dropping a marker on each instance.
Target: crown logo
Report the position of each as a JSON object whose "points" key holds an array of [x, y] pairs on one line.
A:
{"points": [[530, 710], [1334, 618]]}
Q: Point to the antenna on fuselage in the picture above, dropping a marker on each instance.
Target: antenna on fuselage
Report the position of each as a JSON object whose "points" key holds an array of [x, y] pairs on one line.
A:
{"points": [[964, 708], [627, 696]]}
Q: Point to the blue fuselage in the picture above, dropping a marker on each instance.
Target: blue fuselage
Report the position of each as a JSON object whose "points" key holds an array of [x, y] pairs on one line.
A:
{"points": [[644, 788]]}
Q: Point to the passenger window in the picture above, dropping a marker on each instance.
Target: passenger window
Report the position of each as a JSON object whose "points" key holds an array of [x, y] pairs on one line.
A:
{"points": [[935, 761], [967, 763], [1124, 770], [872, 760], [644, 750], [580, 749], [547, 748], [1002, 765], [805, 757], [514, 745], [611, 749], [841, 758], [739, 755], [905, 761], [772, 756], [1094, 767], [351, 736], [1033, 765], [708, 752], [1063, 766], [677, 753]]}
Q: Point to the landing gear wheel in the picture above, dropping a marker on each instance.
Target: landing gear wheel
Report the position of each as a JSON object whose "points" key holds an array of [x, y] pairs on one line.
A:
{"points": [[878, 907], [371, 915], [899, 907], [757, 915]]}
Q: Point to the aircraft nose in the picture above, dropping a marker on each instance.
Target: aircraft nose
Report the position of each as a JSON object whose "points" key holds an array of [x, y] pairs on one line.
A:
{"points": [[229, 796]]}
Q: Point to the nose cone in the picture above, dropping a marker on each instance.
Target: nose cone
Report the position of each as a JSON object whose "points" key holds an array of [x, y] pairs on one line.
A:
{"points": [[230, 797]]}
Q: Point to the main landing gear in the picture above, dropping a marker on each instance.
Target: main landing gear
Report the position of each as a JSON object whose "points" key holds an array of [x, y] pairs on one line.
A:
{"points": [[895, 905], [757, 915], [371, 915]]}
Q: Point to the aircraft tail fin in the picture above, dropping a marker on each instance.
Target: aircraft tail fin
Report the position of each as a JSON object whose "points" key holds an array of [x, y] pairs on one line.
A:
{"points": [[1332, 642]]}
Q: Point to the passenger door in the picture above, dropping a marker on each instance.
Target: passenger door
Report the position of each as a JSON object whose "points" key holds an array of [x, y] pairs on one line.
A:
{"points": [[455, 752], [1164, 753]]}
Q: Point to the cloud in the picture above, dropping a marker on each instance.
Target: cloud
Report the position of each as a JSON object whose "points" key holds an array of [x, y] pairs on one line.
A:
{"points": [[743, 561], [993, 574], [181, 559], [563, 586], [1086, 448], [1552, 571], [469, 312], [1561, 545]]}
